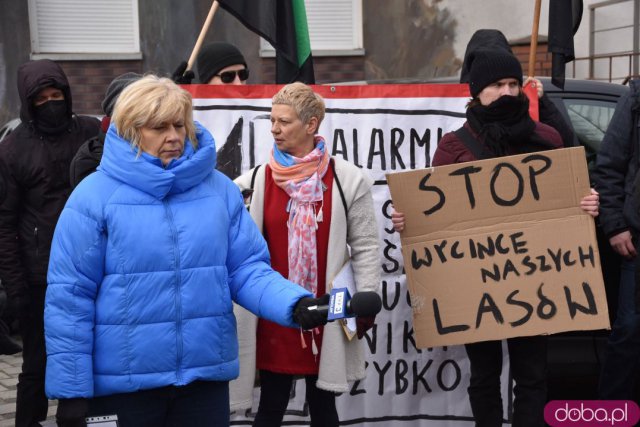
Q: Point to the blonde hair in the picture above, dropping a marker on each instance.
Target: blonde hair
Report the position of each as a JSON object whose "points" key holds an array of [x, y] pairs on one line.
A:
{"points": [[151, 102], [305, 102]]}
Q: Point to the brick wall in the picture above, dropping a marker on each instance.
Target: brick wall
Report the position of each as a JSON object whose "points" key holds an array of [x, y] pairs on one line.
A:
{"points": [[89, 81], [542, 64], [327, 69]]}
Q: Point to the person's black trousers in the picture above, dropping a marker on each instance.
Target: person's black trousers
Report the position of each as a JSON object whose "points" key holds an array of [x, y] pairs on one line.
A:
{"points": [[528, 361], [274, 398], [32, 403], [198, 404]]}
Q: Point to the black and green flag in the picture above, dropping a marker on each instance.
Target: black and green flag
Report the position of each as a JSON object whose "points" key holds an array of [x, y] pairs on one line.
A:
{"points": [[283, 23]]}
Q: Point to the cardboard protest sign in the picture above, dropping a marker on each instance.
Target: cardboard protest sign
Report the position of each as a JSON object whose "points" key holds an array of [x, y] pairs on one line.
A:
{"points": [[500, 248]]}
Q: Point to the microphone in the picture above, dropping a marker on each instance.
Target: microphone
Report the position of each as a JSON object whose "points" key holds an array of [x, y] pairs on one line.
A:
{"points": [[364, 304]]}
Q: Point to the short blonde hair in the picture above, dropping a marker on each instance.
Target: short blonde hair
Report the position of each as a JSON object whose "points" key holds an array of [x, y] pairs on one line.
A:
{"points": [[152, 101], [305, 102]]}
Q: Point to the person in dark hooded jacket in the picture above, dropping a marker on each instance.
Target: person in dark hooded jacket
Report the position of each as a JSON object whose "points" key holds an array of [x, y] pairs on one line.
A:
{"points": [[489, 39], [34, 186], [616, 176], [88, 156]]}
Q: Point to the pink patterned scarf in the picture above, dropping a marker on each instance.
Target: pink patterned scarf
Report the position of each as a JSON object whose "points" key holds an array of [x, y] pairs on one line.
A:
{"points": [[302, 181]]}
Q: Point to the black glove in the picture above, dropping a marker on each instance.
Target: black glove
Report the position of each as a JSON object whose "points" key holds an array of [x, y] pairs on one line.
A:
{"points": [[180, 77], [72, 412], [309, 319]]}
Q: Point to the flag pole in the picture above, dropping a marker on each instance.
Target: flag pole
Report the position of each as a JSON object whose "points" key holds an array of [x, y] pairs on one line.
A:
{"points": [[534, 39], [203, 32]]}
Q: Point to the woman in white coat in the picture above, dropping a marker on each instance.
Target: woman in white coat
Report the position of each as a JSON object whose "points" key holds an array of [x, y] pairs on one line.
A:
{"points": [[316, 212]]}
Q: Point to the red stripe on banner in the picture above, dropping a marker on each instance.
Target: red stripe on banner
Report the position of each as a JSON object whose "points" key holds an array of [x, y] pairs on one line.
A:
{"points": [[334, 91], [232, 91]]}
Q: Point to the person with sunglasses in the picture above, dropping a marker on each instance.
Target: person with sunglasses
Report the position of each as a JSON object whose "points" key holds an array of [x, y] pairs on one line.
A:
{"points": [[221, 63], [218, 63]]}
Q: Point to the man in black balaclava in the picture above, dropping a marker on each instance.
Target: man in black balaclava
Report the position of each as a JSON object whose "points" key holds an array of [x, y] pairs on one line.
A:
{"points": [[498, 124], [494, 40], [34, 186]]}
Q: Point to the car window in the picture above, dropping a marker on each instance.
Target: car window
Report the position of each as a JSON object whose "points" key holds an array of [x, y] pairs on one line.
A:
{"points": [[590, 119]]}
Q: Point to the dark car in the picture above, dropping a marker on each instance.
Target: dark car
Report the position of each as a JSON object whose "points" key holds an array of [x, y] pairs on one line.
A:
{"points": [[588, 105]]}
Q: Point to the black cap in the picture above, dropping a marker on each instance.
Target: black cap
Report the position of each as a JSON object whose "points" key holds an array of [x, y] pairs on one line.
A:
{"points": [[489, 67], [216, 56], [113, 90]]}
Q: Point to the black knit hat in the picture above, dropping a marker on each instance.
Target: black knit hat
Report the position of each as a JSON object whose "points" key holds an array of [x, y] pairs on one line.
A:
{"points": [[216, 56], [481, 40], [490, 66], [113, 90]]}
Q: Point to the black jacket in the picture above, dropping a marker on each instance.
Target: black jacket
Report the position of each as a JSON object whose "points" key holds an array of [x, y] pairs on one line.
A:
{"points": [[87, 159], [34, 181], [617, 167]]}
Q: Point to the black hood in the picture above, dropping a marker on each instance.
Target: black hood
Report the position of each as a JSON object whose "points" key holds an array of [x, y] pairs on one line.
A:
{"points": [[33, 76], [490, 40]]}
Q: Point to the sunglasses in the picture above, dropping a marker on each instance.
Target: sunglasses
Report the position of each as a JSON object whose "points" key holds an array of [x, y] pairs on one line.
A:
{"points": [[229, 76]]}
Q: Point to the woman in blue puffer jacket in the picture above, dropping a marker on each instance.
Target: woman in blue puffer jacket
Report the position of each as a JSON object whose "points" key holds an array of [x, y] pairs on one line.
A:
{"points": [[148, 255]]}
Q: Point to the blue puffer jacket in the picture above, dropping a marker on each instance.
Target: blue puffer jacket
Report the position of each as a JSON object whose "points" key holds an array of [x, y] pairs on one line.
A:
{"points": [[145, 263]]}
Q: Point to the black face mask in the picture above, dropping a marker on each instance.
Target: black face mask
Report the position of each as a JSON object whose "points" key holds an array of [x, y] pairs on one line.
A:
{"points": [[52, 116], [505, 126]]}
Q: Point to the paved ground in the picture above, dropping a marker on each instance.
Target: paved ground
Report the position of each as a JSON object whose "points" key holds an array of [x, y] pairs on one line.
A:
{"points": [[9, 369]]}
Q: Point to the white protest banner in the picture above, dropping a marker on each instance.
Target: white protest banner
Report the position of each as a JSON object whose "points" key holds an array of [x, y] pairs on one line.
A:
{"points": [[382, 129]]}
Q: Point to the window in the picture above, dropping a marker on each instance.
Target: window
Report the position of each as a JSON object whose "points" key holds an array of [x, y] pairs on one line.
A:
{"points": [[80, 29], [590, 119], [335, 28]]}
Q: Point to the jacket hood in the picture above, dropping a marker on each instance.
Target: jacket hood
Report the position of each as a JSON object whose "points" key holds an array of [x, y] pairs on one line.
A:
{"points": [[33, 76], [491, 40], [146, 173]]}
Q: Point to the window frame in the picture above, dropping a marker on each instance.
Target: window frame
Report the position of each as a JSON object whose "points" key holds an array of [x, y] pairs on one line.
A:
{"points": [[67, 52]]}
